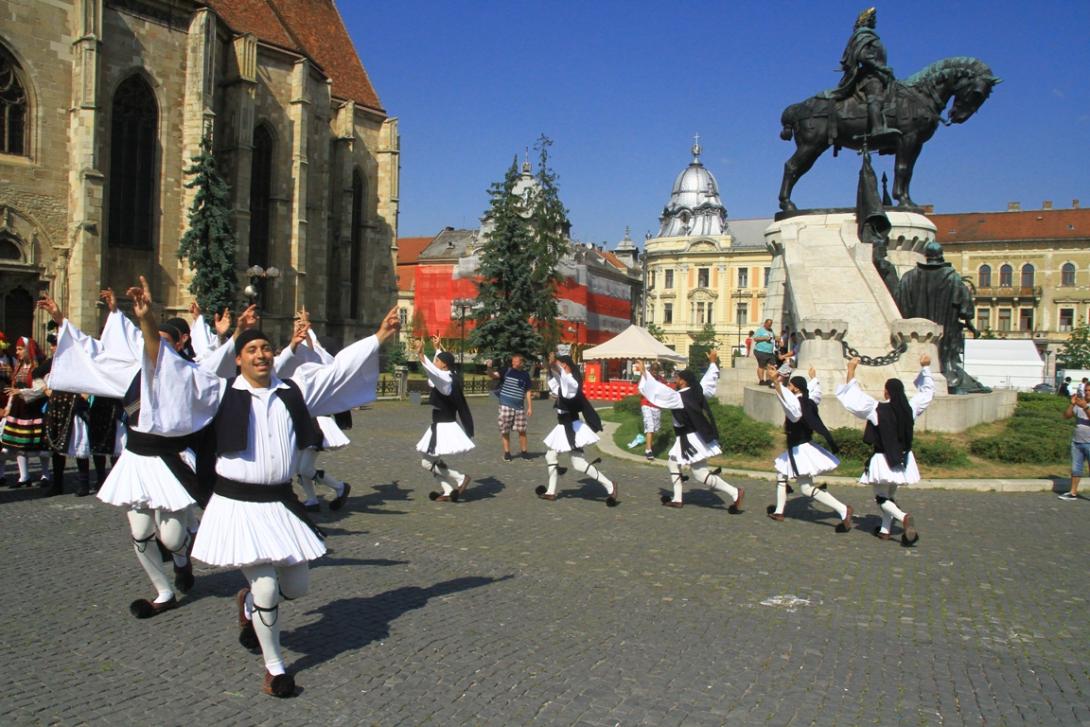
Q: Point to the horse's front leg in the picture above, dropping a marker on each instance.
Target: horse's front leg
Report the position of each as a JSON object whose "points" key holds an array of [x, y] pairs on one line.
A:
{"points": [[799, 164], [908, 150]]}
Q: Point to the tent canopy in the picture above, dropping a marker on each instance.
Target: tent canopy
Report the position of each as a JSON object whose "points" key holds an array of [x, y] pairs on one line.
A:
{"points": [[1004, 364], [633, 343]]}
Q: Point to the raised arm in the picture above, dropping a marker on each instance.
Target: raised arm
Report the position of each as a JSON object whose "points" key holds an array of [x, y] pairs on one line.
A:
{"points": [[710, 381], [858, 402], [813, 386], [149, 325], [441, 380], [925, 388], [657, 392]]}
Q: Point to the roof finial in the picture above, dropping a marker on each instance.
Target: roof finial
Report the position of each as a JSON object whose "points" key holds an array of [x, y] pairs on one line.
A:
{"points": [[696, 148], [526, 162]]}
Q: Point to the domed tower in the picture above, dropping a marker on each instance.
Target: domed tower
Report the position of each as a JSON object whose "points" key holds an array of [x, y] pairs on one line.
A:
{"points": [[626, 250], [694, 208]]}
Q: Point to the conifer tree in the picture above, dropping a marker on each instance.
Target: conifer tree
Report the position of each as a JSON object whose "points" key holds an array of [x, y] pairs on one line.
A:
{"points": [[550, 228], [506, 294], [209, 243]]}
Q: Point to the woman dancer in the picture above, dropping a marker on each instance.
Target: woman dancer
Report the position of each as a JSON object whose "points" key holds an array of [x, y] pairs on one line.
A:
{"points": [[803, 459], [889, 431], [570, 433], [24, 423], [444, 436], [695, 427]]}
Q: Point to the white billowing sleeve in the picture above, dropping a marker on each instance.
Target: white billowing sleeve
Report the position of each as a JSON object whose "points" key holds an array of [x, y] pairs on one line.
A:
{"points": [[858, 402], [122, 338], [710, 381], [813, 390], [925, 392], [789, 400], [659, 393], [221, 361], [348, 382], [203, 338], [569, 387], [287, 361], [554, 383], [437, 378], [85, 365], [323, 355], [177, 397]]}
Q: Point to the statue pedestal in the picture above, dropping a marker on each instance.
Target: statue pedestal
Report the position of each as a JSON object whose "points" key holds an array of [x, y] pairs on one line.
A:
{"points": [[824, 286]]}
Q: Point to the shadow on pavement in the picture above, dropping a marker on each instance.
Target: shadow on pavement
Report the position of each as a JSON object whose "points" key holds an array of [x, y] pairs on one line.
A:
{"points": [[382, 494], [352, 623], [484, 487]]}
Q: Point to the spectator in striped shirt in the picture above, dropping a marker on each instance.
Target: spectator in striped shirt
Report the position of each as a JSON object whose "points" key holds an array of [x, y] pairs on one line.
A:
{"points": [[516, 404]]}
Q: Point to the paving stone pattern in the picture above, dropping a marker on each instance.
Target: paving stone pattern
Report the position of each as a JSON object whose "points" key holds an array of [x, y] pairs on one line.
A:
{"points": [[508, 610]]}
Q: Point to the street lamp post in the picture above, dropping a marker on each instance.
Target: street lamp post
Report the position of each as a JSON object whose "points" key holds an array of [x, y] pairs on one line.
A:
{"points": [[577, 319], [258, 275], [463, 304]]}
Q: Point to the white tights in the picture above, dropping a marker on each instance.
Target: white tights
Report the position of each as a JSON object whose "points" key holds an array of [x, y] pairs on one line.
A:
{"points": [[806, 484], [173, 532], [447, 478], [579, 462], [22, 460], [308, 475], [704, 475], [884, 494], [269, 585]]}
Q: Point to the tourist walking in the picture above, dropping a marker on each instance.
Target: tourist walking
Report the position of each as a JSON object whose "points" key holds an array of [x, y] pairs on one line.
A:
{"points": [[515, 390], [764, 349]]}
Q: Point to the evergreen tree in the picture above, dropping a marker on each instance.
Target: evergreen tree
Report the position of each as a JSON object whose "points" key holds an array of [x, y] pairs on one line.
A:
{"points": [[657, 333], [702, 343], [506, 294], [1075, 352], [549, 227], [209, 243]]}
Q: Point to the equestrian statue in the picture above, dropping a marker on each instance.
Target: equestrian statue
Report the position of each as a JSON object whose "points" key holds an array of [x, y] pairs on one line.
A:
{"points": [[871, 110]]}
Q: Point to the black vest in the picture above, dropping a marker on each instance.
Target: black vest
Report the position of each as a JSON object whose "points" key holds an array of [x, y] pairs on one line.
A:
{"points": [[885, 438], [232, 421], [695, 416]]}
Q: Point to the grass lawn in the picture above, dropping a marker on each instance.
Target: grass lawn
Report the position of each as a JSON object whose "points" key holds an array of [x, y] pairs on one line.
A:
{"points": [[1035, 442]]}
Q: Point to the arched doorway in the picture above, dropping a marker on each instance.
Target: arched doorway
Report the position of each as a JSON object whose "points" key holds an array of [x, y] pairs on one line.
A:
{"points": [[18, 314]]}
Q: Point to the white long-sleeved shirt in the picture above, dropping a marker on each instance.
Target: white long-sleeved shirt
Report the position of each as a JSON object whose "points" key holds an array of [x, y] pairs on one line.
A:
{"points": [[792, 402], [664, 397], [437, 377], [861, 404], [562, 383], [204, 339], [184, 398]]}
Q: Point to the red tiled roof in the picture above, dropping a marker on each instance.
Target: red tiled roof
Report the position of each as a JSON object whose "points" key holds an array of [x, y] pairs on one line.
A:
{"points": [[613, 259], [312, 27], [1002, 226], [409, 248]]}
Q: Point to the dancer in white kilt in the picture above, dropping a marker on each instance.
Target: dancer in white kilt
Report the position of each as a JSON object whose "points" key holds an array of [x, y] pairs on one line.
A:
{"points": [[445, 437], [333, 438], [694, 425], [154, 476], [572, 434], [803, 459], [253, 520], [889, 431]]}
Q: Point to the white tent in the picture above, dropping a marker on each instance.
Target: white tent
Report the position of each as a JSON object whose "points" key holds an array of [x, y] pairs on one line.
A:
{"points": [[1004, 364], [633, 343]]}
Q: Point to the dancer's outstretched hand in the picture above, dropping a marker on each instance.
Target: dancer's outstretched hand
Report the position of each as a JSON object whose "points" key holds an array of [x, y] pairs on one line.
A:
{"points": [[141, 298], [223, 323], [106, 295], [49, 305], [925, 360], [713, 356], [247, 319], [391, 324]]}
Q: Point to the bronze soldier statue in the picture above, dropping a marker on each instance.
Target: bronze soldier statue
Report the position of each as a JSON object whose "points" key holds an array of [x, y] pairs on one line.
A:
{"points": [[867, 75]]}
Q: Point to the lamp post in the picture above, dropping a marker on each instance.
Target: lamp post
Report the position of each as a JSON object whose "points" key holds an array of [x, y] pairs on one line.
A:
{"points": [[463, 304], [577, 319], [258, 275]]}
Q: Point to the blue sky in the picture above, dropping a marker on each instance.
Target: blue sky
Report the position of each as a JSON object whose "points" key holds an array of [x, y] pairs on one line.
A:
{"points": [[622, 86]]}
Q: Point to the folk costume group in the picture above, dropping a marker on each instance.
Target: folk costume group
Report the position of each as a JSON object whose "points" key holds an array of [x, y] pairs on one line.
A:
{"points": [[223, 425]]}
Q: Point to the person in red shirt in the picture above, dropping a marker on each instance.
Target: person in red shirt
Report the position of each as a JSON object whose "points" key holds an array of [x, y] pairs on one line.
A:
{"points": [[652, 415]]}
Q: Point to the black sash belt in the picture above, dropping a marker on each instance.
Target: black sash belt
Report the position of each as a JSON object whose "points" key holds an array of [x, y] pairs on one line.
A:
{"points": [[168, 450], [438, 417], [282, 493], [687, 448]]}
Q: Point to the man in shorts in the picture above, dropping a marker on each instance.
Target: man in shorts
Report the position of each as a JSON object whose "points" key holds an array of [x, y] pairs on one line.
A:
{"points": [[764, 348], [652, 415], [1079, 410], [516, 404]]}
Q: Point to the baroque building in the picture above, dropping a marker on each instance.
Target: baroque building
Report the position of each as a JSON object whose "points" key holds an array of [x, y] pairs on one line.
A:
{"points": [[104, 102], [702, 270]]}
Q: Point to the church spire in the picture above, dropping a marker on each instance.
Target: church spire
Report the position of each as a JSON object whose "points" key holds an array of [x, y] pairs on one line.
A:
{"points": [[697, 149]]}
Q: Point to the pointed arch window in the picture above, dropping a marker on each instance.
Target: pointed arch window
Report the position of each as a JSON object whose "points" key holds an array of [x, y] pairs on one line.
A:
{"points": [[984, 276], [1027, 276], [13, 108], [261, 196], [356, 241], [134, 180]]}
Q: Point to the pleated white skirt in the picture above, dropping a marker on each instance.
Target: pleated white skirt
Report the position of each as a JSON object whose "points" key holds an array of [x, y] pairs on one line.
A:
{"points": [[79, 439], [703, 450], [879, 472], [810, 458], [332, 436], [139, 481], [235, 534], [558, 438], [450, 438]]}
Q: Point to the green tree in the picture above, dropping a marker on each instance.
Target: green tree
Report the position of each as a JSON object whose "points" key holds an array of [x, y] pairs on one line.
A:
{"points": [[1075, 352], [657, 333], [702, 343], [506, 290], [549, 228], [209, 243]]}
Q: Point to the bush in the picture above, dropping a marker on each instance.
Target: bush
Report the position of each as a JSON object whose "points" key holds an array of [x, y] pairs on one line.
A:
{"points": [[851, 444], [628, 405], [738, 434], [1016, 448], [938, 452]]}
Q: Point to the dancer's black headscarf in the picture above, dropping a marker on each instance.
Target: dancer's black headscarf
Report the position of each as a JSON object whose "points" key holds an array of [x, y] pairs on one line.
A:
{"points": [[577, 406], [183, 328], [570, 363], [898, 403]]}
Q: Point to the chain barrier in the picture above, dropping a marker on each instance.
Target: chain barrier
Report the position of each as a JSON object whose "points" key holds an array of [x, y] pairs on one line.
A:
{"points": [[886, 360]]}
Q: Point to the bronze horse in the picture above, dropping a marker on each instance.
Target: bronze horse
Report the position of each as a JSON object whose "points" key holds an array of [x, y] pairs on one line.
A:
{"points": [[914, 107]]}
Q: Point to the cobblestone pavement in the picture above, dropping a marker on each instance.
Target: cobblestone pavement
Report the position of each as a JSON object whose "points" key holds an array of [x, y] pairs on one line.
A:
{"points": [[508, 610]]}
